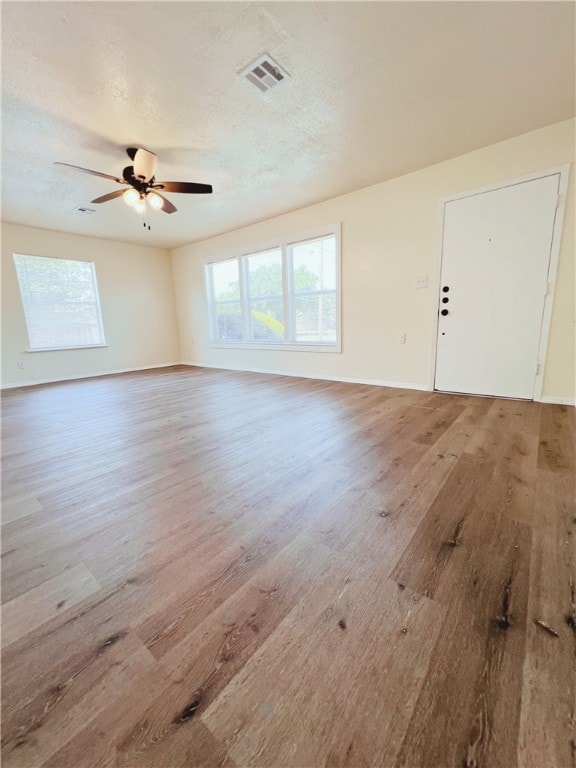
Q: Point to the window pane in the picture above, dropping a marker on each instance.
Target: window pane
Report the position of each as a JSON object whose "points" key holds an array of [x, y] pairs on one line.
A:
{"points": [[315, 318], [267, 320], [60, 300], [314, 265], [228, 322], [247, 300], [226, 280], [265, 273]]}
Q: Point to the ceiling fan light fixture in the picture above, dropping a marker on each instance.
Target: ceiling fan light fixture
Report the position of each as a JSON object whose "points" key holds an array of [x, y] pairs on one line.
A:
{"points": [[142, 184], [131, 197], [155, 200]]}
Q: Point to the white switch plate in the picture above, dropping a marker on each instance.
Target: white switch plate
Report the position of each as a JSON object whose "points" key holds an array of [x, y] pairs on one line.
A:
{"points": [[20, 366], [402, 338], [421, 281]]}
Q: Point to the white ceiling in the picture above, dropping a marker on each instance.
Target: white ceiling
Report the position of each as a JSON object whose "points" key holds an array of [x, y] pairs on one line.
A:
{"points": [[377, 89]]}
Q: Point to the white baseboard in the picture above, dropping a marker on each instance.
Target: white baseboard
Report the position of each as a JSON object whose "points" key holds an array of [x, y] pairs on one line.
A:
{"points": [[558, 400], [550, 399], [298, 375], [88, 375]]}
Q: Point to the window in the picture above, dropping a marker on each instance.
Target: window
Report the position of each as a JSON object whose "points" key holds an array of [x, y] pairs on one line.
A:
{"points": [[226, 301], [313, 265], [285, 296], [265, 296], [60, 299]]}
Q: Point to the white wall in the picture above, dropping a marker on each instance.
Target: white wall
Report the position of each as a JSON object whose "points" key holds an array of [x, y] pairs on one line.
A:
{"points": [[389, 236], [136, 296]]}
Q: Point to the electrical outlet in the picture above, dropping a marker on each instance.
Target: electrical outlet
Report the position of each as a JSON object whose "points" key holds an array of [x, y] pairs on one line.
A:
{"points": [[402, 338], [20, 366], [421, 281]]}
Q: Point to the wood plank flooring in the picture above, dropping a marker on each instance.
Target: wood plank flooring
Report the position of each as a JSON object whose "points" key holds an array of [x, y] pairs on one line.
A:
{"points": [[207, 568]]}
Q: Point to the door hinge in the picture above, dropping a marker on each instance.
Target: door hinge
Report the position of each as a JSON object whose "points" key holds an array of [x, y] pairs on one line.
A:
{"points": [[539, 369], [559, 199], [549, 289]]}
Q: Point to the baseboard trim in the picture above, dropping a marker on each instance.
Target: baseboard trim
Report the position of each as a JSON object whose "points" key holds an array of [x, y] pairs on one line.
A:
{"points": [[298, 375], [558, 400], [549, 399], [88, 375]]}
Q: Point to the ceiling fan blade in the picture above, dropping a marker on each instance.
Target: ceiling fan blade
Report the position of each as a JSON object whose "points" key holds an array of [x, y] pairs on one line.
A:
{"points": [[94, 173], [167, 206], [109, 196], [184, 186]]}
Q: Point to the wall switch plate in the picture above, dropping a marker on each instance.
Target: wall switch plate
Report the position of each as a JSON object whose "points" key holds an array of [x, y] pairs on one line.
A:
{"points": [[402, 338], [421, 281], [20, 366]]}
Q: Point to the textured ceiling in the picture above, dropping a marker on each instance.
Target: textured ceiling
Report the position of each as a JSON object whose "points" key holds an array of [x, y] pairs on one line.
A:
{"points": [[377, 89]]}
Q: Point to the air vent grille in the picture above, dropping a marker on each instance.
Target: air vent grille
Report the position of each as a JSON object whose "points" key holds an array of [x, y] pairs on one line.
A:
{"points": [[264, 74]]}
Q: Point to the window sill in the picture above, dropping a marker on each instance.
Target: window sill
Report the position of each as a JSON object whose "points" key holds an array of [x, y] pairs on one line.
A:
{"points": [[63, 349], [333, 348]]}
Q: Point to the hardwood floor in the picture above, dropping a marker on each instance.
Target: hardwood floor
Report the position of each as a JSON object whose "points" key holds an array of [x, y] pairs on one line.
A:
{"points": [[206, 568]]}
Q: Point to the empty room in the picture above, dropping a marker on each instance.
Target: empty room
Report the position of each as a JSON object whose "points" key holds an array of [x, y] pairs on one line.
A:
{"points": [[288, 384]]}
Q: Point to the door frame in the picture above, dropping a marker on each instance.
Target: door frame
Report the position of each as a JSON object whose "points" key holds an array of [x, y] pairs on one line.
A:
{"points": [[564, 171]]}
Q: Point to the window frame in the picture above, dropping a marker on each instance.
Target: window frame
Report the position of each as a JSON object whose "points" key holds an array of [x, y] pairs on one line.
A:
{"points": [[282, 243], [35, 350]]}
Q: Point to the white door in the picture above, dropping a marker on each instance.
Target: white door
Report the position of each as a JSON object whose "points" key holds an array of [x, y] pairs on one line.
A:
{"points": [[495, 258]]}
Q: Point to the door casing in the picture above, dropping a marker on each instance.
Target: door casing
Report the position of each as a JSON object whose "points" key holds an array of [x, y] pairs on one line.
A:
{"points": [[564, 171]]}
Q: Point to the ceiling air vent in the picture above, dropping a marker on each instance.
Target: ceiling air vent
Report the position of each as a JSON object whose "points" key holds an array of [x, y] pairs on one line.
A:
{"points": [[83, 209], [264, 74]]}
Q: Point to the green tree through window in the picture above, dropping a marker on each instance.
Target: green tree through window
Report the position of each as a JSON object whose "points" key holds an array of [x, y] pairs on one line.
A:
{"points": [[253, 309], [60, 300]]}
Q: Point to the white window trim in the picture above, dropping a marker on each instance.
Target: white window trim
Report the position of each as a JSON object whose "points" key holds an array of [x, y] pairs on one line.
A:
{"points": [[283, 243], [98, 306]]}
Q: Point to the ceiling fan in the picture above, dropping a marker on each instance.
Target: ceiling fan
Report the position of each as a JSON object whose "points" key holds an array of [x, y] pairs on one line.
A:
{"points": [[142, 185]]}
